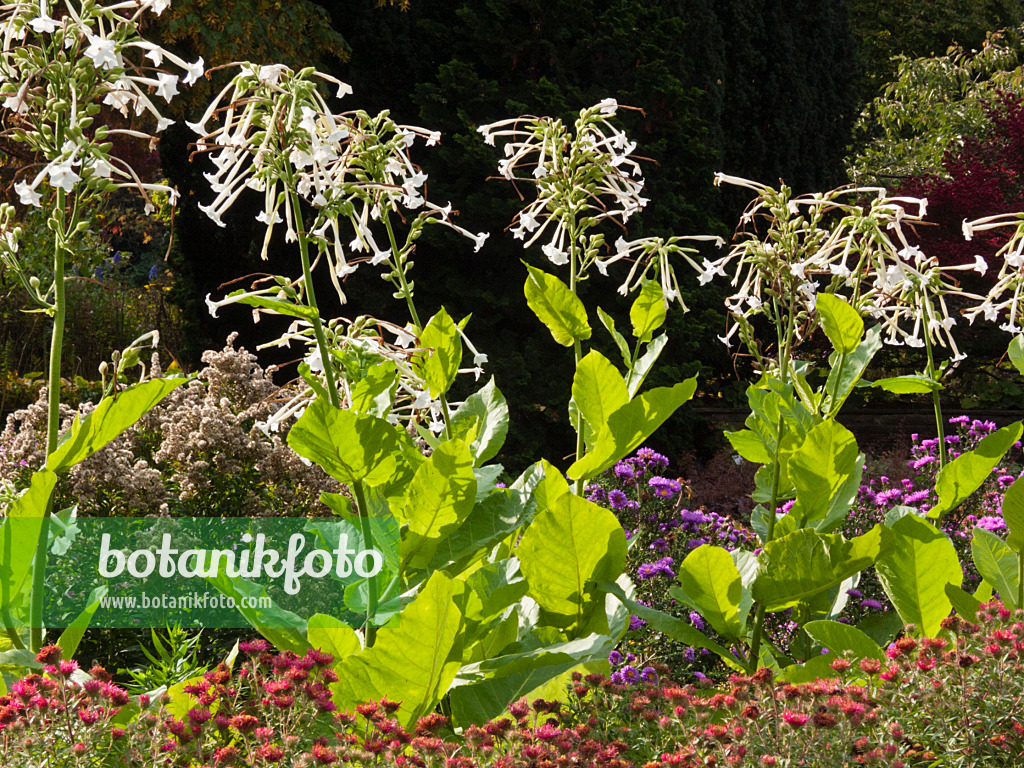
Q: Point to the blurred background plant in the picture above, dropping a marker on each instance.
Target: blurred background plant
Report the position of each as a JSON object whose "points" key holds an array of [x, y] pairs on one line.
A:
{"points": [[199, 453]]}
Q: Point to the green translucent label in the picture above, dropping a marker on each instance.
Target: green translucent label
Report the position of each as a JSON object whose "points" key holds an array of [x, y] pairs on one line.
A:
{"points": [[221, 572]]}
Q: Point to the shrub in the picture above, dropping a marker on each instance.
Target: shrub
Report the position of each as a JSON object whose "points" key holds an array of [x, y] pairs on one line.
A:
{"points": [[201, 452]]}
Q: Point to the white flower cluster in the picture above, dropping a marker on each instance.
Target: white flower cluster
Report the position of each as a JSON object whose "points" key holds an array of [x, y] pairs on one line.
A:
{"points": [[1004, 297], [59, 62], [849, 241], [277, 134], [364, 342], [583, 178]]}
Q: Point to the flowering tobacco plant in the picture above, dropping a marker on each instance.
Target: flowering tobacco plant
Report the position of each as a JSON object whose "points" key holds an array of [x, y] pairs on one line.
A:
{"points": [[278, 136], [585, 178], [60, 64], [1004, 298]]}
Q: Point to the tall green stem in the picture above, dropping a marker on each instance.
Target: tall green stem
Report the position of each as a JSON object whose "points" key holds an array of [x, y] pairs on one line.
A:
{"points": [[371, 600], [936, 405], [401, 278], [785, 344], [52, 415], [307, 281], [577, 350]]}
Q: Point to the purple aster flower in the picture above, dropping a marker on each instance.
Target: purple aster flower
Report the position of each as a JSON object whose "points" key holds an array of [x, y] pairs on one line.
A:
{"points": [[617, 499], [856, 594], [663, 487], [635, 623], [648, 675], [991, 523], [615, 658], [690, 655], [697, 620], [870, 605], [624, 471], [630, 674]]}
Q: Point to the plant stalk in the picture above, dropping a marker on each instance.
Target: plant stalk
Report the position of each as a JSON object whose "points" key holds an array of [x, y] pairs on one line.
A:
{"points": [[785, 345], [307, 280], [936, 405], [52, 418], [371, 600]]}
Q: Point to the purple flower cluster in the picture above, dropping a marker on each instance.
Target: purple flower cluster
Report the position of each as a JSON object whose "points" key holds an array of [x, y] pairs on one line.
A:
{"points": [[880, 494], [662, 532], [661, 567]]}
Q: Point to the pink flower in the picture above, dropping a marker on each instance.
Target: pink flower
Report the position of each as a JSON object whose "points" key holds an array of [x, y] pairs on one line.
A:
{"points": [[794, 719]]}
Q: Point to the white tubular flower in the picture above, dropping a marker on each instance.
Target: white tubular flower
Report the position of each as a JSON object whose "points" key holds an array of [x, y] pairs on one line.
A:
{"points": [[92, 55], [1005, 295], [27, 194]]}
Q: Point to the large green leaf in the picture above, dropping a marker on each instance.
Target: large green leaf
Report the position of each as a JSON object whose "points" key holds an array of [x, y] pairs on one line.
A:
{"points": [[286, 308], [111, 417], [748, 444], [843, 378], [482, 422], [598, 390], [842, 323], [964, 603], [75, 631], [630, 425], [332, 636], [441, 364], [712, 583], [826, 471], [648, 311], [375, 392], [557, 307], [639, 370], [439, 499], [844, 638], [568, 547], [672, 627], [494, 518], [1016, 353], [20, 533], [550, 487], [286, 630], [916, 570], [805, 562], [482, 690], [1013, 514], [908, 385], [413, 663], [351, 447], [997, 564], [965, 474]]}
